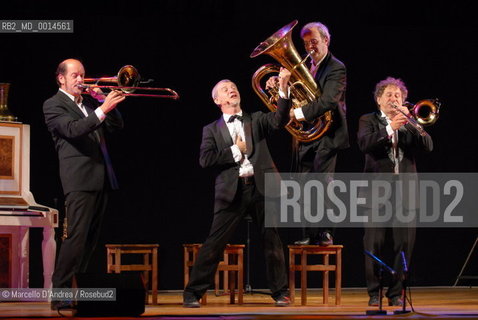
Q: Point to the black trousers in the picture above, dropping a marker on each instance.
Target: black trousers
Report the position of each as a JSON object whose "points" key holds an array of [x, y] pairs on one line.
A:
{"points": [[320, 160], [225, 222], [84, 213], [373, 241]]}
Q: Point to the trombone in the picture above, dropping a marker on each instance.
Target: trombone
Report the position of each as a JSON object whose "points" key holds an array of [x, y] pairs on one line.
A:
{"points": [[128, 80], [411, 120], [423, 113]]}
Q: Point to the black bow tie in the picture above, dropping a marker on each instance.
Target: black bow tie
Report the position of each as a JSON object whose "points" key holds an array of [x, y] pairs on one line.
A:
{"points": [[232, 118]]}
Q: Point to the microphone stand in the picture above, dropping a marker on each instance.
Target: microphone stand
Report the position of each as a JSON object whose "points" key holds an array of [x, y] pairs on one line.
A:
{"points": [[383, 265], [404, 286]]}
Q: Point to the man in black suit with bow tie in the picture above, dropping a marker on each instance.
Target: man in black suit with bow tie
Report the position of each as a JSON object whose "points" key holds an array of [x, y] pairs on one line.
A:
{"points": [[390, 144], [77, 124], [236, 146]]}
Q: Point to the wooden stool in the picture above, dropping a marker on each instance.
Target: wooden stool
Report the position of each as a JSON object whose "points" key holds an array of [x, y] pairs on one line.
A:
{"points": [[232, 264], [150, 263], [303, 251]]}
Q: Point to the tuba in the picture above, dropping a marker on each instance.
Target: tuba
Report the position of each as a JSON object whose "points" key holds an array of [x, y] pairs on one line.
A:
{"points": [[303, 88], [426, 111]]}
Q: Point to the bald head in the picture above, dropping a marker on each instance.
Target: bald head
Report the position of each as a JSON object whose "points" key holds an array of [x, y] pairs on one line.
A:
{"points": [[62, 67], [69, 74]]}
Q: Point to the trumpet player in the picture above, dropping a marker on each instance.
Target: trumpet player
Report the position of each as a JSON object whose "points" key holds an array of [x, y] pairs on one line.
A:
{"points": [[390, 143]]}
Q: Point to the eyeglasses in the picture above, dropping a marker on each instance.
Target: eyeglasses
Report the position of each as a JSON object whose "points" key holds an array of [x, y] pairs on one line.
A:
{"points": [[312, 42]]}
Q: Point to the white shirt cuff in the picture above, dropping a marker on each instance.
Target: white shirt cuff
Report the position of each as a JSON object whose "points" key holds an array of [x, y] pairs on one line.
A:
{"points": [[100, 114], [299, 115], [283, 94], [236, 153], [389, 130]]}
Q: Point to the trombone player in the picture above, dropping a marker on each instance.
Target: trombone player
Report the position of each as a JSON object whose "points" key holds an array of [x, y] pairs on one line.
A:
{"points": [[390, 142], [77, 124], [320, 155]]}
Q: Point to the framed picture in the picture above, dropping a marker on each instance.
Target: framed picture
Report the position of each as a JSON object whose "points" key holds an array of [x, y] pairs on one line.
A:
{"points": [[10, 158]]}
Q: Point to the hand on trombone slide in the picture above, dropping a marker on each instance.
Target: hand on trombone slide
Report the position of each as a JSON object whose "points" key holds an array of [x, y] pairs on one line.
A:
{"points": [[404, 116], [112, 100], [400, 118], [96, 93]]}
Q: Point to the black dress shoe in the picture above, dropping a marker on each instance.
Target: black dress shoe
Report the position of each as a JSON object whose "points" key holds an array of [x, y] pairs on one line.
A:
{"points": [[191, 302], [325, 239], [395, 301], [282, 301], [303, 242], [373, 301], [62, 305]]}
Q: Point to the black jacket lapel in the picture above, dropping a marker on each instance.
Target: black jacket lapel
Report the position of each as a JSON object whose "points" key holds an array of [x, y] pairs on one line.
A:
{"points": [[382, 121], [70, 103], [322, 67], [248, 133], [221, 124]]}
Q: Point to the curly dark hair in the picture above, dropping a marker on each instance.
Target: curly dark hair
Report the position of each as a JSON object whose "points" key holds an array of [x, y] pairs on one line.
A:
{"points": [[390, 81]]}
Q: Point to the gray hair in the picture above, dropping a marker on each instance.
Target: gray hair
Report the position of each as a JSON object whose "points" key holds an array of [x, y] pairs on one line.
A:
{"points": [[322, 28], [214, 90]]}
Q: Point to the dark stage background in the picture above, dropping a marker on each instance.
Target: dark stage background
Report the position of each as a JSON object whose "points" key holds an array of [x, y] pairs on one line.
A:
{"points": [[165, 196]]}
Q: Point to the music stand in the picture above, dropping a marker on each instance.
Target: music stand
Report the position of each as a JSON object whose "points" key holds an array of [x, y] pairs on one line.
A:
{"points": [[383, 265]]}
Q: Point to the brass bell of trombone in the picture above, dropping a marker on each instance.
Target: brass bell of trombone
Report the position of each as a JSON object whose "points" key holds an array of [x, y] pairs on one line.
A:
{"points": [[425, 111]]}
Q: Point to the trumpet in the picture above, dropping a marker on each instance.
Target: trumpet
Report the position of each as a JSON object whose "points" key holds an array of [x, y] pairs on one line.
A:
{"points": [[128, 80]]}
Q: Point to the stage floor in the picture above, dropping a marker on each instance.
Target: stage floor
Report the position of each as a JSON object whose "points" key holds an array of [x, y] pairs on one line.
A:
{"points": [[433, 302]]}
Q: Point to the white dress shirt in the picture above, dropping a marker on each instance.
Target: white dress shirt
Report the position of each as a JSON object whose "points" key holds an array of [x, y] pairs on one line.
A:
{"points": [[237, 128], [79, 102], [396, 154]]}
